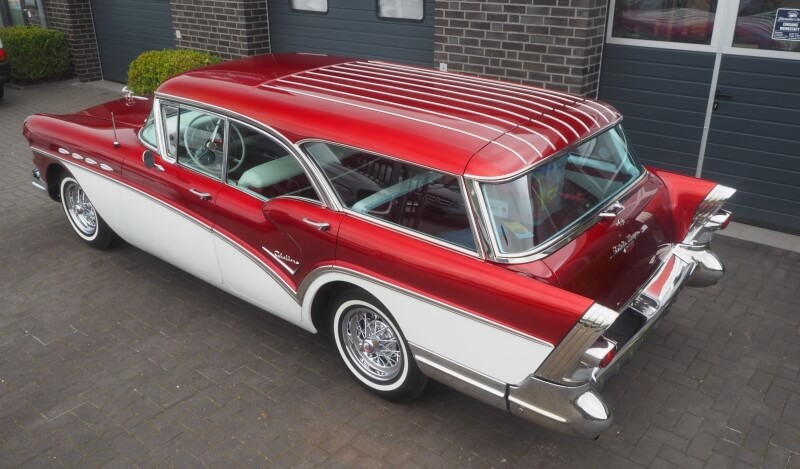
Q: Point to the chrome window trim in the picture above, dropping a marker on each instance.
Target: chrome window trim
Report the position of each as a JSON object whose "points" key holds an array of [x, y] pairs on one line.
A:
{"points": [[416, 234], [556, 242], [289, 150], [316, 178]]}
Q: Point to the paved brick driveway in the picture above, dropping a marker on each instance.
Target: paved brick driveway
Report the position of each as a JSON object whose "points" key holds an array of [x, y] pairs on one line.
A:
{"points": [[115, 358]]}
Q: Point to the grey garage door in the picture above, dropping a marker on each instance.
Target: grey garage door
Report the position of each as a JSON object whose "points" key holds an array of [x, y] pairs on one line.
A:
{"points": [[711, 89], [126, 28], [352, 28]]}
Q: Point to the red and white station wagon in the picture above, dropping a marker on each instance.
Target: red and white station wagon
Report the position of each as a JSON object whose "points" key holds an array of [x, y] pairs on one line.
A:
{"points": [[499, 238]]}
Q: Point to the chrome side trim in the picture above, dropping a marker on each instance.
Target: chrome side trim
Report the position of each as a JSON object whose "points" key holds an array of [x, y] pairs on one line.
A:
{"points": [[106, 176], [302, 291], [461, 378], [558, 365]]}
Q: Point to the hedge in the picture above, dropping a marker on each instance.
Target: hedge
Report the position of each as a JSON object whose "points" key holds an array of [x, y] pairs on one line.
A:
{"points": [[154, 67], [36, 54]]}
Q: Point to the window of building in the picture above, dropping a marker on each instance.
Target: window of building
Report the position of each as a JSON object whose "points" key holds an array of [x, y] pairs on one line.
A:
{"points": [[770, 25], [683, 21], [397, 192], [316, 6], [401, 9]]}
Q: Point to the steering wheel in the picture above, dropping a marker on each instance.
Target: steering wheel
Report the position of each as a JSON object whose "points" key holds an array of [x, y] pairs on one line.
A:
{"points": [[204, 142]]}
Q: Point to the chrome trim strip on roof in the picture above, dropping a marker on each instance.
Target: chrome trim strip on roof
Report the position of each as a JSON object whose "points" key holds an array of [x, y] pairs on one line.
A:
{"points": [[601, 112], [391, 103], [413, 108], [550, 116], [330, 74], [544, 137], [382, 111], [538, 92], [591, 117], [559, 111], [313, 275], [455, 80], [427, 82]]}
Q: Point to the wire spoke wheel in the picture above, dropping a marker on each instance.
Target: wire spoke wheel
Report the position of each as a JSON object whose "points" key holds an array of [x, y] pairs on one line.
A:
{"points": [[372, 343], [79, 208]]}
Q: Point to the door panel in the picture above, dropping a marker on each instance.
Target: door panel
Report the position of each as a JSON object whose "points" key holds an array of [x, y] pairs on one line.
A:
{"points": [[754, 140], [278, 241], [165, 219]]}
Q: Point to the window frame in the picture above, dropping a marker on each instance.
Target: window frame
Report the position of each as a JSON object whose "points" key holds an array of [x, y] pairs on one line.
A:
{"points": [[404, 20], [174, 160], [472, 218], [721, 37], [312, 12], [311, 175]]}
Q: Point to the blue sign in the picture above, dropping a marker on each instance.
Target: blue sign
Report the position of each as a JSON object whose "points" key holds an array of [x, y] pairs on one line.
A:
{"points": [[787, 25]]}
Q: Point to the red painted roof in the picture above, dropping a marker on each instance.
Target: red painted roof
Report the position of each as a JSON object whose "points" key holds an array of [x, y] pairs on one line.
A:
{"points": [[452, 122]]}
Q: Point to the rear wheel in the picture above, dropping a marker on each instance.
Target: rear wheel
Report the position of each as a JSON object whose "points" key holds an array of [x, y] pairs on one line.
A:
{"points": [[373, 347], [83, 217]]}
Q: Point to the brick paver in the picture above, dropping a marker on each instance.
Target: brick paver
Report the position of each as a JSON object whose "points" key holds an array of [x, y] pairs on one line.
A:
{"points": [[116, 358]]}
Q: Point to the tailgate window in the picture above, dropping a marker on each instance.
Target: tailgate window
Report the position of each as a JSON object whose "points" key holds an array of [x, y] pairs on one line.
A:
{"points": [[556, 195]]}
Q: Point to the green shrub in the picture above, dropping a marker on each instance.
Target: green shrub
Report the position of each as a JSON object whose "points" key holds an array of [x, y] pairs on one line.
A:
{"points": [[154, 67], [36, 54]]}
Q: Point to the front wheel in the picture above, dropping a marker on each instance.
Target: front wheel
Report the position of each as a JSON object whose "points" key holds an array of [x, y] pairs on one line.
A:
{"points": [[373, 348], [83, 217]]}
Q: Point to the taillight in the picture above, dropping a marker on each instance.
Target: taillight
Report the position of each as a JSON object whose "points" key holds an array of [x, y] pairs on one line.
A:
{"points": [[2, 54]]}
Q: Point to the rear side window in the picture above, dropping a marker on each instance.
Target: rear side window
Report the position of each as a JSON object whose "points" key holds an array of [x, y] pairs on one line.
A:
{"points": [[410, 196]]}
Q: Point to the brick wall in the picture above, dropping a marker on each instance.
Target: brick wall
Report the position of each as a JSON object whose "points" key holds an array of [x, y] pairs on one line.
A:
{"points": [[74, 19], [229, 29], [552, 43]]}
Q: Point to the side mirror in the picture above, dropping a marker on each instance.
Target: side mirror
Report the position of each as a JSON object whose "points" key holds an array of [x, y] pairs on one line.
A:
{"points": [[148, 159]]}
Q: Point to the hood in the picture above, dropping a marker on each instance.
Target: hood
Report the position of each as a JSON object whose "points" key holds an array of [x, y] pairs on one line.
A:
{"points": [[130, 112]]}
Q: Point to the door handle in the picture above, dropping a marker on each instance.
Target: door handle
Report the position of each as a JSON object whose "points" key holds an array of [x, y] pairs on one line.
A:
{"points": [[613, 211], [202, 195], [321, 226], [720, 95]]}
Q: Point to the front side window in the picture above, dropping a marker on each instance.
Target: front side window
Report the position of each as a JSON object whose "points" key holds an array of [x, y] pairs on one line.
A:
{"points": [[195, 138], [148, 132], [401, 9], [532, 209], [261, 166], [410, 196], [770, 25], [684, 21]]}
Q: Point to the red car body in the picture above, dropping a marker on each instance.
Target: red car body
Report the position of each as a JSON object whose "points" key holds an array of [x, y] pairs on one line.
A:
{"points": [[529, 313]]}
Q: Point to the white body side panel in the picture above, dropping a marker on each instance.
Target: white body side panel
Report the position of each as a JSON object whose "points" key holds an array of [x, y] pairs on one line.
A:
{"points": [[489, 350], [244, 278], [152, 226]]}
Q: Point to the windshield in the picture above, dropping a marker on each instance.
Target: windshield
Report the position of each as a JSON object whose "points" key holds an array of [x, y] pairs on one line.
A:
{"points": [[555, 196]]}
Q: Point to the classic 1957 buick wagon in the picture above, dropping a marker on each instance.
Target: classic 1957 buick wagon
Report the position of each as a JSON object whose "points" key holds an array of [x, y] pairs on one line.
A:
{"points": [[499, 238]]}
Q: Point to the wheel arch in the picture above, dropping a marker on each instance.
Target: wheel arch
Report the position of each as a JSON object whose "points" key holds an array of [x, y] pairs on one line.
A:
{"points": [[321, 299], [55, 172]]}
